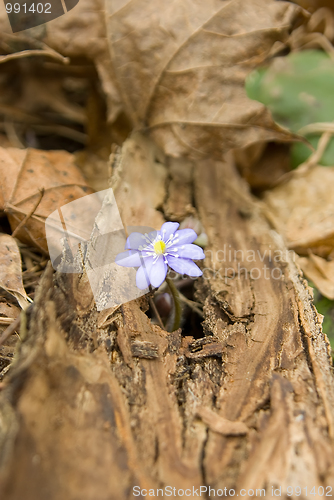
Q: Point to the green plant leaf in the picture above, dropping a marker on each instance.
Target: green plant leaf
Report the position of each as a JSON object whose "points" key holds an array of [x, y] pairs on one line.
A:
{"points": [[298, 90]]}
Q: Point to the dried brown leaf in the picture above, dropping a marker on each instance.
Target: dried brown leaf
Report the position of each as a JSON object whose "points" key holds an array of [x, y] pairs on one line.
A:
{"points": [[320, 272], [23, 174], [181, 67], [304, 210], [9, 310], [81, 33], [313, 5], [11, 269], [263, 165], [23, 44]]}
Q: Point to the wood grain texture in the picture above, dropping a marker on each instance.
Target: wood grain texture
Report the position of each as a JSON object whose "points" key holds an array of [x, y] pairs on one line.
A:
{"points": [[282, 358]]}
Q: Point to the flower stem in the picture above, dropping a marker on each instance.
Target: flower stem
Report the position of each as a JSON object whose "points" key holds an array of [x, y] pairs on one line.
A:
{"points": [[177, 304], [154, 307]]}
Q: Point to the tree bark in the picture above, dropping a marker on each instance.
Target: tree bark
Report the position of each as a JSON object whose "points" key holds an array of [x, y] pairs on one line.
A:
{"points": [[99, 402]]}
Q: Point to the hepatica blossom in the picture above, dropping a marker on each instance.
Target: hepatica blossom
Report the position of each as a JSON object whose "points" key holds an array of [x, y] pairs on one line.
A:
{"points": [[154, 252]]}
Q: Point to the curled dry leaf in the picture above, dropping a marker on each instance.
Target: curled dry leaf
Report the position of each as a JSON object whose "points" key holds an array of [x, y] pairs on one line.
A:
{"points": [[24, 43], [81, 33], [181, 67], [23, 174], [78, 34], [11, 269], [320, 272], [304, 210]]}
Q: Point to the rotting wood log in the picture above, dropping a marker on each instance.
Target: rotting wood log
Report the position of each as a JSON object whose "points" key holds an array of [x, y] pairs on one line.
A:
{"points": [[99, 402]]}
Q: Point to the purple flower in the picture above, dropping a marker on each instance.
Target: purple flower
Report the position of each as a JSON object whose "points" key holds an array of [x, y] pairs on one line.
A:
{"points": [[155, 251]]}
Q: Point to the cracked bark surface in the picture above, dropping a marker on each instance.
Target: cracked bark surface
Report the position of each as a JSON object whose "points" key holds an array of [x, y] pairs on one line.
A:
{"points": [[98, 402]]}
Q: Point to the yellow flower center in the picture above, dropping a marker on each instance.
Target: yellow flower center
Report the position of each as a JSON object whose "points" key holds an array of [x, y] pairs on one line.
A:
{"points": [[159, 247]]}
